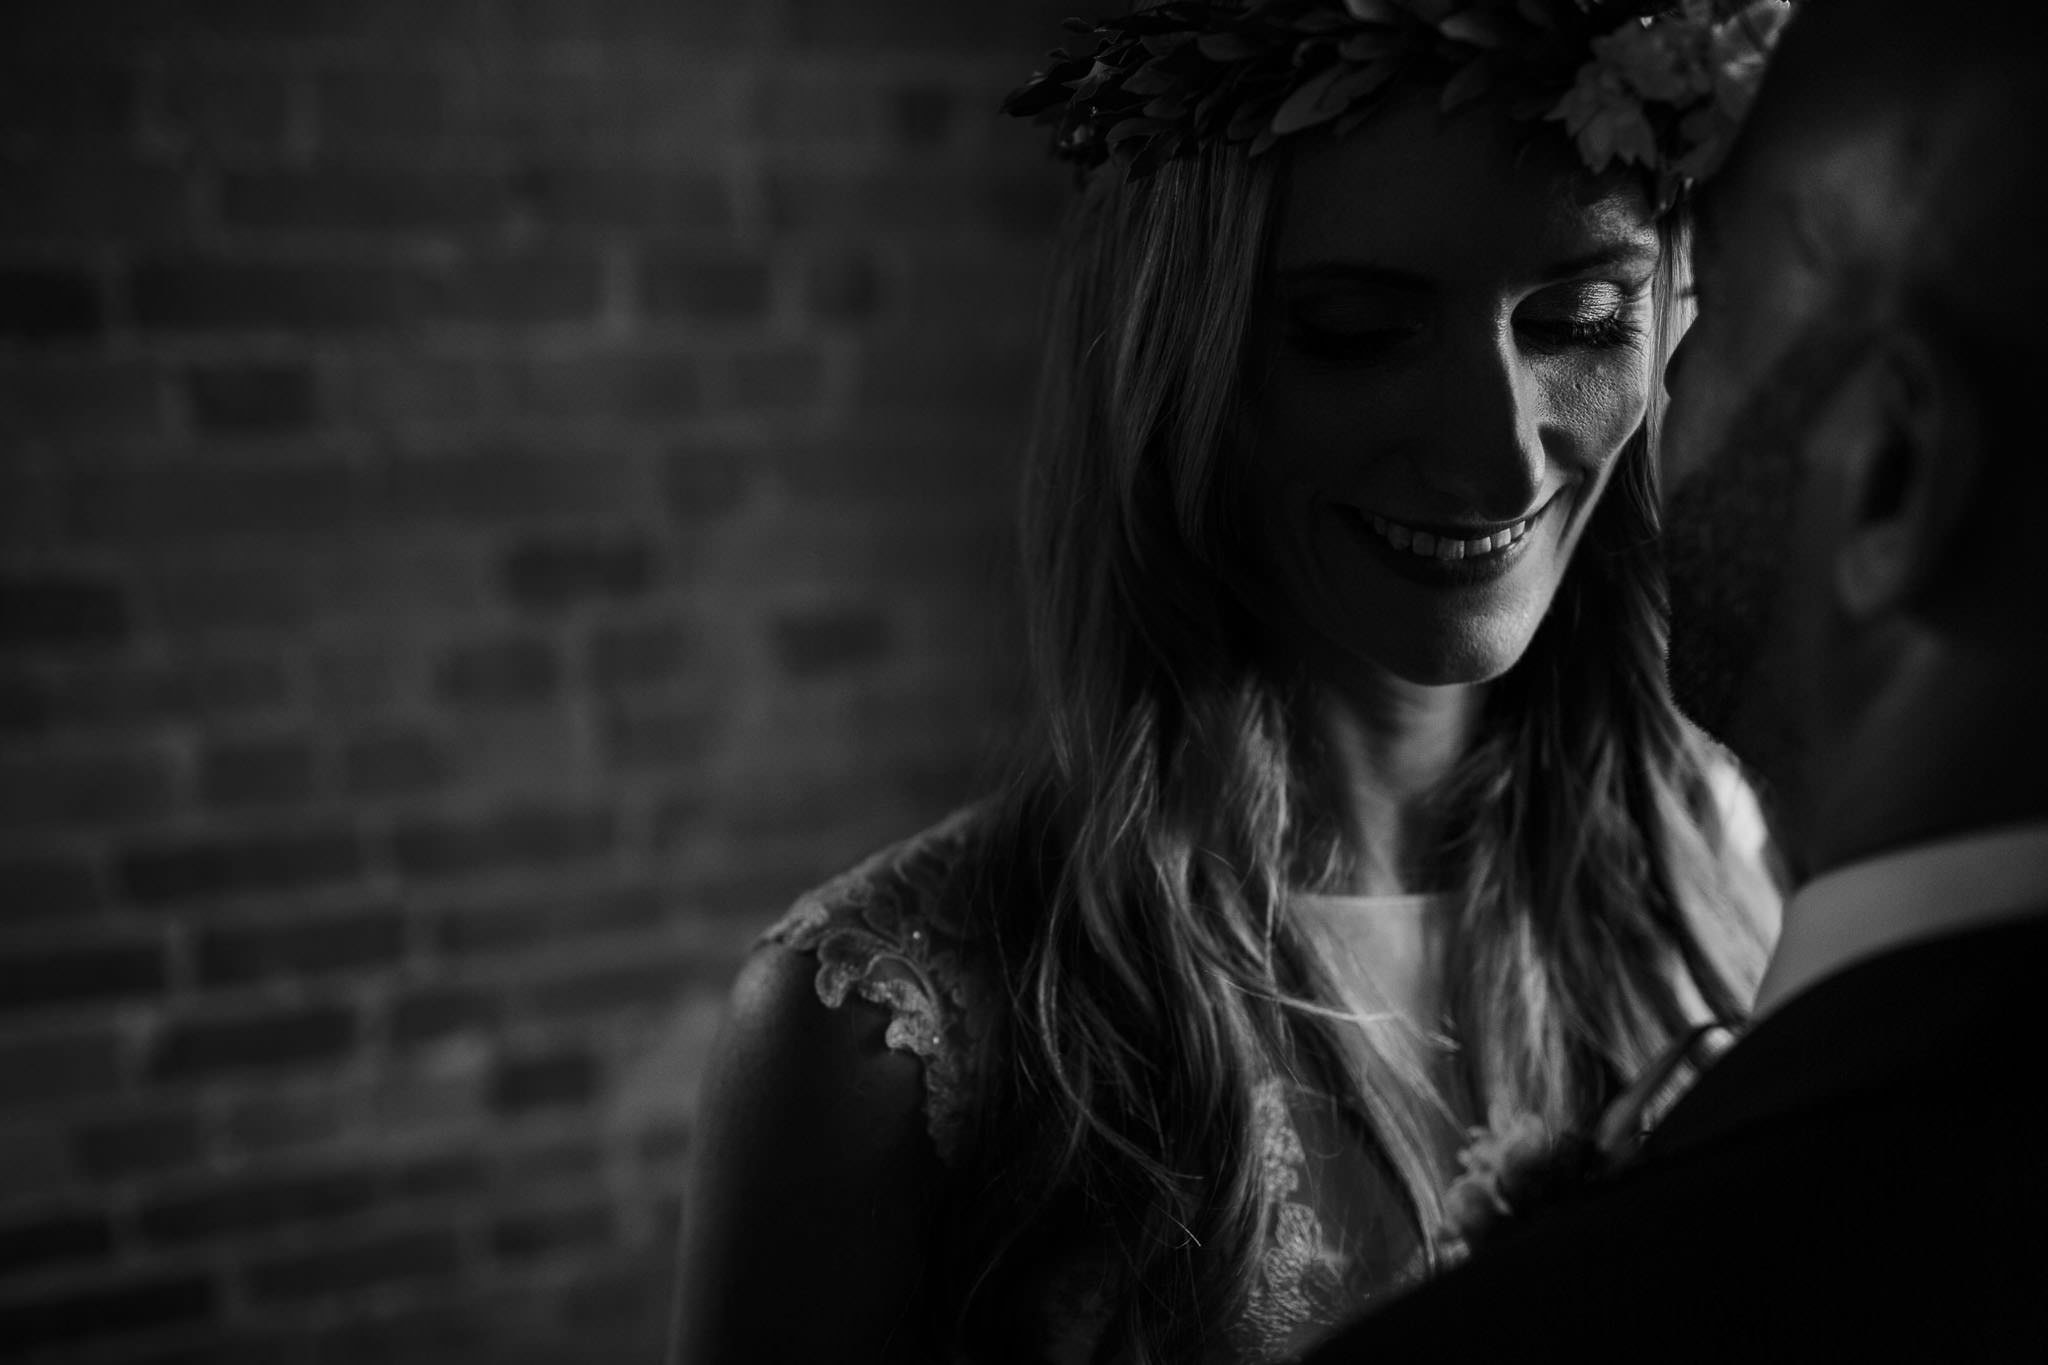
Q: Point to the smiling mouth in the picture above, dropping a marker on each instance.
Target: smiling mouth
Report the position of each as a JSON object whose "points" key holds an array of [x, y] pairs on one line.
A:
{"points": [[1441, 545], [1447, 557]]}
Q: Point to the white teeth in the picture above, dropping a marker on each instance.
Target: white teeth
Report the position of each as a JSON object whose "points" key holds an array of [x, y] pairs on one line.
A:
{"points": [[1429, 545]]}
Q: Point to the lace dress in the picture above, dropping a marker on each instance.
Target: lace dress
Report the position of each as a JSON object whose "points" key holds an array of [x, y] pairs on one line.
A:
{"points": [[886, 932]]}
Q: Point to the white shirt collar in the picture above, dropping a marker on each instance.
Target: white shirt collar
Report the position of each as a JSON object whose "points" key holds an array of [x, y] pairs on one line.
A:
{"points": [[1891, 900]]}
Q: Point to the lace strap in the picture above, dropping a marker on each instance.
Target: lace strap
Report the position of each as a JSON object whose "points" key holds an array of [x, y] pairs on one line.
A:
{"points": [[880, 932]]}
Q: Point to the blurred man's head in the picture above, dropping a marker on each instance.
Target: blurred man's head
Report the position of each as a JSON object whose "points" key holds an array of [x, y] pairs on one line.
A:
{"points": [[1857, 495]]}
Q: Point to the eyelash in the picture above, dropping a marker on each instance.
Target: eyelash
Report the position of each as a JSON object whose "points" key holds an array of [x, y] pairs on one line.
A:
{"points": [[1611, 332], [1601, 334]]}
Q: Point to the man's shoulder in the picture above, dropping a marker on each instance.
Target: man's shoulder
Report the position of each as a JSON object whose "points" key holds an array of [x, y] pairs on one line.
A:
{"points": [[1869, 1224]]}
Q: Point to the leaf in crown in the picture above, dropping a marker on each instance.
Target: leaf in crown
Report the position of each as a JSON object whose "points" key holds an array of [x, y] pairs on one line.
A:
{"points": [[1653, 84]]}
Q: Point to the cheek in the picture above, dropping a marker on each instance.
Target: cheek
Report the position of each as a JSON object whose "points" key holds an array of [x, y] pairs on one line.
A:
{"points": [[1595, 408], [1313, 426]]}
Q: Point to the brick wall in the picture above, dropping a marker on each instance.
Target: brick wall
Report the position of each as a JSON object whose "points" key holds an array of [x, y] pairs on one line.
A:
{"points": [[496, 496]]}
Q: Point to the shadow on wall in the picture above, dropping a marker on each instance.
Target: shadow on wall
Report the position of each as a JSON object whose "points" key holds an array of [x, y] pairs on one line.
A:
{"points": [[497, 496]]}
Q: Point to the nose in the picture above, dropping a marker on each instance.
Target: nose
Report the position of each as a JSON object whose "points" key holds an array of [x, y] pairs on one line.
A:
{"points": [[1488, 462]]}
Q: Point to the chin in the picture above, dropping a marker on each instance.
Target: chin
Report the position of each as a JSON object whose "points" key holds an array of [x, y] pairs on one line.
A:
{"points": [[1454, 658]]}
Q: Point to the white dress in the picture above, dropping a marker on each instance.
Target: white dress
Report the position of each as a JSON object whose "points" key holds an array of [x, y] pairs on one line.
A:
{"points": [[888, 932]]}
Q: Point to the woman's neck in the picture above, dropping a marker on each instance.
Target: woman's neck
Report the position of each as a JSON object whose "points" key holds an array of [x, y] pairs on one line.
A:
{"points": [[1389, 745]]}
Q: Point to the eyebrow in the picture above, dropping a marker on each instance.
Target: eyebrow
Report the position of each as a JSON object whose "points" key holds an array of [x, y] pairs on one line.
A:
{"points": [[1389, 277]]}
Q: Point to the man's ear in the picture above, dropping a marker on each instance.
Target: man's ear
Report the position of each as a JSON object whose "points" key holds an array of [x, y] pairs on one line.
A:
{"points": [[1908, 477]]}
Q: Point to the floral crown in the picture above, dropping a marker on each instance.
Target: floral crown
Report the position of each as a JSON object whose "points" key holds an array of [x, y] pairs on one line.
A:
{"points": [[1656, 84]]}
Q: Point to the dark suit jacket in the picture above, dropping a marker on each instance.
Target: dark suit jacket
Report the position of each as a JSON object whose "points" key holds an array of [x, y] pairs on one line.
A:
{"points": [[1863, 1177]]}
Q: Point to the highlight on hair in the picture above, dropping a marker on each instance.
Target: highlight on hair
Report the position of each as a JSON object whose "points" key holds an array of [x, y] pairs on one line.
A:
{"points": [[1159, 822]]}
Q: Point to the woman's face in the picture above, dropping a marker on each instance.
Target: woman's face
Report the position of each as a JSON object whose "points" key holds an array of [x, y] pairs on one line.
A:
{"points": [[1453, 348]]}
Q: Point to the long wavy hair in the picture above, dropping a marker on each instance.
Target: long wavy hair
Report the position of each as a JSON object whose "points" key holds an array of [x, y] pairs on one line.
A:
{"points": [[1167, 806]]}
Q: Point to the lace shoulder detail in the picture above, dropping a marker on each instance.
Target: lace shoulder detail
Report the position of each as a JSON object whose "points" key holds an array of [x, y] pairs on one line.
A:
{"points": [[888, 931]]}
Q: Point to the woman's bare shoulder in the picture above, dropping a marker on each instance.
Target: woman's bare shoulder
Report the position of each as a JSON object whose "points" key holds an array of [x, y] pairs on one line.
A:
{"points": [[898, 934], [820, 1153]]}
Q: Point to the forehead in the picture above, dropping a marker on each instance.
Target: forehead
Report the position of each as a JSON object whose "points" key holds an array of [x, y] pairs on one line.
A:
{"points": [[1794, 209], [1469, 193]]}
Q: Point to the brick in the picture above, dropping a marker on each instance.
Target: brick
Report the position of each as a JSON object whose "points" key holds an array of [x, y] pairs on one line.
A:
{"points": [[62, 100], [276, 587], [500, 928], [312, 947], [383, 107], [819, 640], [706, 483], [772, 379], [274, 771], [393, 762], [279, 1038], [989, 292], [818, 106], [256, 24], [217, 108], [358, 199], [568, 1078], [447, 1175], [65, 1067], [81, 395], [48, 886], [86, 789], [137, 1143], [655, 734], [621, 110], [519, 837], [650, 199], [639, 986], [67, 610], [80, 1316], [408, 384], [87, 199], [632, 21], [666, 1146], [174, 871], [203, 501], [923, 116], [551, 575], [259, 1205], [842, 286], [1000, 204], [721, 287], [125, 696], [985, 379], [33, 1162], [541, 1233], [640, 654], [576, 1160], [289, 1118], [445, 1328], [531, 287], [81, 975], [260, 399], [514, 671], [49, 304], [55, 1239], [490, 485], [429, 1015], [201, 295], [1030, 25], [610, 384], [358, 295], [603, 1299], [388, 1259]]}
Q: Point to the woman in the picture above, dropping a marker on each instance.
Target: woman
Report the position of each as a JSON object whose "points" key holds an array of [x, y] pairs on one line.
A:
{"points": [[1359, 817]]}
